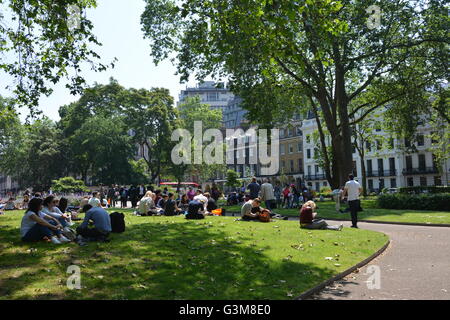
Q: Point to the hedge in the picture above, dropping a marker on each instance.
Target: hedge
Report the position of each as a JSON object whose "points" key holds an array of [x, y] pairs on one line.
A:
{"points": [[424, 189], [425, 201]]}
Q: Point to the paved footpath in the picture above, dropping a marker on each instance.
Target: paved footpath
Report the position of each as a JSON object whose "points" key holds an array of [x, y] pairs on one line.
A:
{"points": [[415, 266]]}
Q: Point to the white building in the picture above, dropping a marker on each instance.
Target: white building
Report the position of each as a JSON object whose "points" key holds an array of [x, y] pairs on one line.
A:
{"points": [[391, 167], [217, 95]]}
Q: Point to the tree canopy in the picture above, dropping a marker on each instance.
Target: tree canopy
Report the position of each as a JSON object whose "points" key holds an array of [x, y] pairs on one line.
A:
{"points": [[327, 52]]}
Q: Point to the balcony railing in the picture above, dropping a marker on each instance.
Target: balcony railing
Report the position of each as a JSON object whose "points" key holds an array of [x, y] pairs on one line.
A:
{"points": [[315, 177], [381, 173], [427, 170]]}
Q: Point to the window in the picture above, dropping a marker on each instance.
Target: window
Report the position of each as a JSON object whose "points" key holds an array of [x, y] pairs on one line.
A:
{"points": [[407, 143], [309, 170], [316, 169], [300, 147], [408, 163], [281, 133], [292, 165], [437, 181], [410, 182], [308, 153], [308, 139], [299, 131], [420, 140], [291, 148], [317, 186], [212, 96], [282, 149], [370, 183], [393, 183], [391, 143], [381, 184], [369, 167], [423, 181], [300, 165], [422, 164], [379, 144], [290, 132], [283, 164]]}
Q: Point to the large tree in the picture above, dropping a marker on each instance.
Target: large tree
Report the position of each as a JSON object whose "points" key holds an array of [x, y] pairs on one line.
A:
{"points": [[42, 42], [35, 156], [331, 52]]}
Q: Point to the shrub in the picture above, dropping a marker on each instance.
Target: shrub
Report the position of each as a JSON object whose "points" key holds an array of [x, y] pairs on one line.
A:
{"points": [[68, 184], [325, 190], [426, 201], [424, 189]]}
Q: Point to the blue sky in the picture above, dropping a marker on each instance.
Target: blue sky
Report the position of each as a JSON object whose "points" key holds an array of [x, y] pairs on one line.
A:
{"points": [[117, 27]]}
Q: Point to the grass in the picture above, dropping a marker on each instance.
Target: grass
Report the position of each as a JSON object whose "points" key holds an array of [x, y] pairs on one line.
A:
{"points": [[173, 258], [327, 209]]}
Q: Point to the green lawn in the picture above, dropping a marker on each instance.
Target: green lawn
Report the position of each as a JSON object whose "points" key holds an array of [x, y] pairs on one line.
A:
{"points": [[172, 258], [326, 209]]}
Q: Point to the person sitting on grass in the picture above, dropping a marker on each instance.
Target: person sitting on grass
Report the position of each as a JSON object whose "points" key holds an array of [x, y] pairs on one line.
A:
{"points": [[102, 224], [95, 200], [34, 228], [308, 221], [183, 204], [146, 206], [210, 204], [170, 206], [26, 199], [196, 210], [50, 209], [247, 209], [162, 202], [10, 205]]}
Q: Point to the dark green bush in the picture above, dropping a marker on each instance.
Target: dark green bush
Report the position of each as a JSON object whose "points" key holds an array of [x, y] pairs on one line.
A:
{"points": [[425, 201], [424, 189]]}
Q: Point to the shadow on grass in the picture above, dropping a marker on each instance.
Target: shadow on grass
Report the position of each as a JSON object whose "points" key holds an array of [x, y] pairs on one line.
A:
{"points": [[157, 260]]}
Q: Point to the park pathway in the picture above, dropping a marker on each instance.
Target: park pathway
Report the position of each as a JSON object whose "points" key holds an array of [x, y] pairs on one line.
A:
{"points": [[415, 266]]}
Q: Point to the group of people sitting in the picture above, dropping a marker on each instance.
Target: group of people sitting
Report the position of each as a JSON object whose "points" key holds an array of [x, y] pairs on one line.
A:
{"points": [[48, 219], [193, 205]]}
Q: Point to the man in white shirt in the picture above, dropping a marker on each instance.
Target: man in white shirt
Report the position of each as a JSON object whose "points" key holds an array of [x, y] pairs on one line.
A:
{"points": [[267, 194], [95, 201], [352, 190]]}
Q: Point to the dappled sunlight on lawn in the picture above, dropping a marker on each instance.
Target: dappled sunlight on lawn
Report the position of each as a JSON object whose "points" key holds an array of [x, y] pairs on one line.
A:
{"points": [[172, 258]]}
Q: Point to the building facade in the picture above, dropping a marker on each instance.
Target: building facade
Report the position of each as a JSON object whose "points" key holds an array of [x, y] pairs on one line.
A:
{"points": [[393, 164], [217, 95]]}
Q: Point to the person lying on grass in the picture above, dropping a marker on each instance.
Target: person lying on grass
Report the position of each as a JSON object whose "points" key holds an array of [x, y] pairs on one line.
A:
{"points": [[308, 221], [102, 224], [35, 228]]}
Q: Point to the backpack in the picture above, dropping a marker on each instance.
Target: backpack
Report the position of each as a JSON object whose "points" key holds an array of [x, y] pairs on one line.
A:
{"points": [[264, 216], [117, 222]]}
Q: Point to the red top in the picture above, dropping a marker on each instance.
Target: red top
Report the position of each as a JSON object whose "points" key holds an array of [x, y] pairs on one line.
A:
{"points": [[306, 215]]}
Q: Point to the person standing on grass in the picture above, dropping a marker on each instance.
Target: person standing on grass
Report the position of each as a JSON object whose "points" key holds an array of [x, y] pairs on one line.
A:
{"points": [[267, 194], [254, 188], [352, 190]]}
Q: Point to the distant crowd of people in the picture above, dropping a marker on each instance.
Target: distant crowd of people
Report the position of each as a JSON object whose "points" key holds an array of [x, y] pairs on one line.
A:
{"points": [[50, 218]]}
